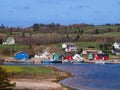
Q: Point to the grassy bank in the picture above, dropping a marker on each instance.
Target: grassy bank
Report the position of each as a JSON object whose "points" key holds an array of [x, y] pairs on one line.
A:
{"points": [[36, 74], [35, 71]]}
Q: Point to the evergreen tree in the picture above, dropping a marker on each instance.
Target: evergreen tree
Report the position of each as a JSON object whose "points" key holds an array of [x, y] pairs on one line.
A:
{"points": [[2, 26], [36, 27], [97, 31], [4, 80]]}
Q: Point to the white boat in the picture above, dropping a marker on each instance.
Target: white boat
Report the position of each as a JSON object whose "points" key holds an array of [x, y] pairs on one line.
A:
{"points": [[100, 62]]}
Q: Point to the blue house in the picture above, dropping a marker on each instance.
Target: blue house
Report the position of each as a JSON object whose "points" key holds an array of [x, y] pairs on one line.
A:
{"points": [[21, 56]]}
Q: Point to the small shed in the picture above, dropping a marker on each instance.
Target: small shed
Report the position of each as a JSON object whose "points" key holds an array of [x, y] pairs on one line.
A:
{"points": [[89, 51], [91, 56], [68, 57], [21, 56], [56, 57], [101, 57]]}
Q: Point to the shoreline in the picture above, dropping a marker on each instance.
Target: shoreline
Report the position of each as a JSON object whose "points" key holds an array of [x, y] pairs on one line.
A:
{"points": [[112, 61], [50, 83], [39, 85], [42, 84]]}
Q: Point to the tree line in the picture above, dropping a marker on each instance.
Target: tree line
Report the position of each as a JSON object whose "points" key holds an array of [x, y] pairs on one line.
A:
{"points": [[55, 33]]}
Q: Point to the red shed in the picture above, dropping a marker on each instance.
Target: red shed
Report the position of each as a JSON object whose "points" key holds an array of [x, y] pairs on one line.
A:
{"points": [[68, 57], [101, 57]]}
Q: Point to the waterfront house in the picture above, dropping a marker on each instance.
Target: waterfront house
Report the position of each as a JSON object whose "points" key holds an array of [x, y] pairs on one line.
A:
{"points": [[21, 56], [68, 57], [101, 56], [56, 57], [88, 51]]}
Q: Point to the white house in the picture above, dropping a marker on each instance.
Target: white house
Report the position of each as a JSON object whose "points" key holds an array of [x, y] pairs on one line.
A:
{"points": [[116, 45], [69, 47], [9, 41], [116, 49]]}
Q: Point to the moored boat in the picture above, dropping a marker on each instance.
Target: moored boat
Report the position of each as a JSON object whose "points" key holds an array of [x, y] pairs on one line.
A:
{"points": [[50, 61]]}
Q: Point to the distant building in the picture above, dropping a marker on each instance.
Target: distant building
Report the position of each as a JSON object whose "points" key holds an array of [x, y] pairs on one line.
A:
{"points": [[116, 45], [69, 47], [88, 51], [116, 48], [116, 51], [9, 41], [21, 56]]}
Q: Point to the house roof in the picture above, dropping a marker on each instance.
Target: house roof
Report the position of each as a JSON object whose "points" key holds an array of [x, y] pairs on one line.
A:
{"points": [[9, 39], [70, 43], [118, 42], [92, 50]]}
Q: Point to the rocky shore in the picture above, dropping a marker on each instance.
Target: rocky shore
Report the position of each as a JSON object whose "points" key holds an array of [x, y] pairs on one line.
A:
{"points": [[29, 82]]}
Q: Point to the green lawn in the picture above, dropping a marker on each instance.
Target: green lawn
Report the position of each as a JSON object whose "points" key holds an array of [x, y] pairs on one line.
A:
{"points": [[87, 44], [27, 69], [16, 47], [35, 72], [111, 34]]}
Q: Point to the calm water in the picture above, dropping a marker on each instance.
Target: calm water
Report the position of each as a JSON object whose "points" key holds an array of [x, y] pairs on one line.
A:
{"points": [[91, 76]]}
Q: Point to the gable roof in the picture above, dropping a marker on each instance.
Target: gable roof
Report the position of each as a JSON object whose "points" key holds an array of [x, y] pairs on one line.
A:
{"points": [[117, 42], [9, 40]]}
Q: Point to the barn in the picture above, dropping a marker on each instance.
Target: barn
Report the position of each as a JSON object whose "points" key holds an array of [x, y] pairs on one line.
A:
{"points": [[21, 56]]}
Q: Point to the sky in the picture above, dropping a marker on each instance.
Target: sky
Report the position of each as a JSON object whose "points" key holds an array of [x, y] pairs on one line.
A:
{"points": [[24, 13]]}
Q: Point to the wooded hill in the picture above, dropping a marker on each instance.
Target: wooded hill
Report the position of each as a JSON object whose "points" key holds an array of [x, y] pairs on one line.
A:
{"points": [[54, 33]]}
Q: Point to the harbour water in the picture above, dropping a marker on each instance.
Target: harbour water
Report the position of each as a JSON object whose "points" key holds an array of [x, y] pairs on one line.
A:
{"points": [[88, 76], [92, 76]]}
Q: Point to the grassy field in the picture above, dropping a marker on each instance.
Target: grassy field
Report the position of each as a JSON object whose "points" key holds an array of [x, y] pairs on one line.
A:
{"points": [[16, 47], [9, 50], [27, 69], [37, 75], [36, 72], [87, 44], [110, 34]]}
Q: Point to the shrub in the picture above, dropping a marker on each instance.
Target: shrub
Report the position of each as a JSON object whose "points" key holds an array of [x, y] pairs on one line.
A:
{"points": [[4, 81], [91, 46], [8, 51]]}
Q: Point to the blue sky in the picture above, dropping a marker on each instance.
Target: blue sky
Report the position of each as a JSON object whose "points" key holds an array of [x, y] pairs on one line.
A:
{"points": [[25, 13]]}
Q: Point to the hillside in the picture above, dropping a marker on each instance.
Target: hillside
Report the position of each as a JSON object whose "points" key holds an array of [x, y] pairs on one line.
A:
{"points": [[32, 39], [55, 33]]}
